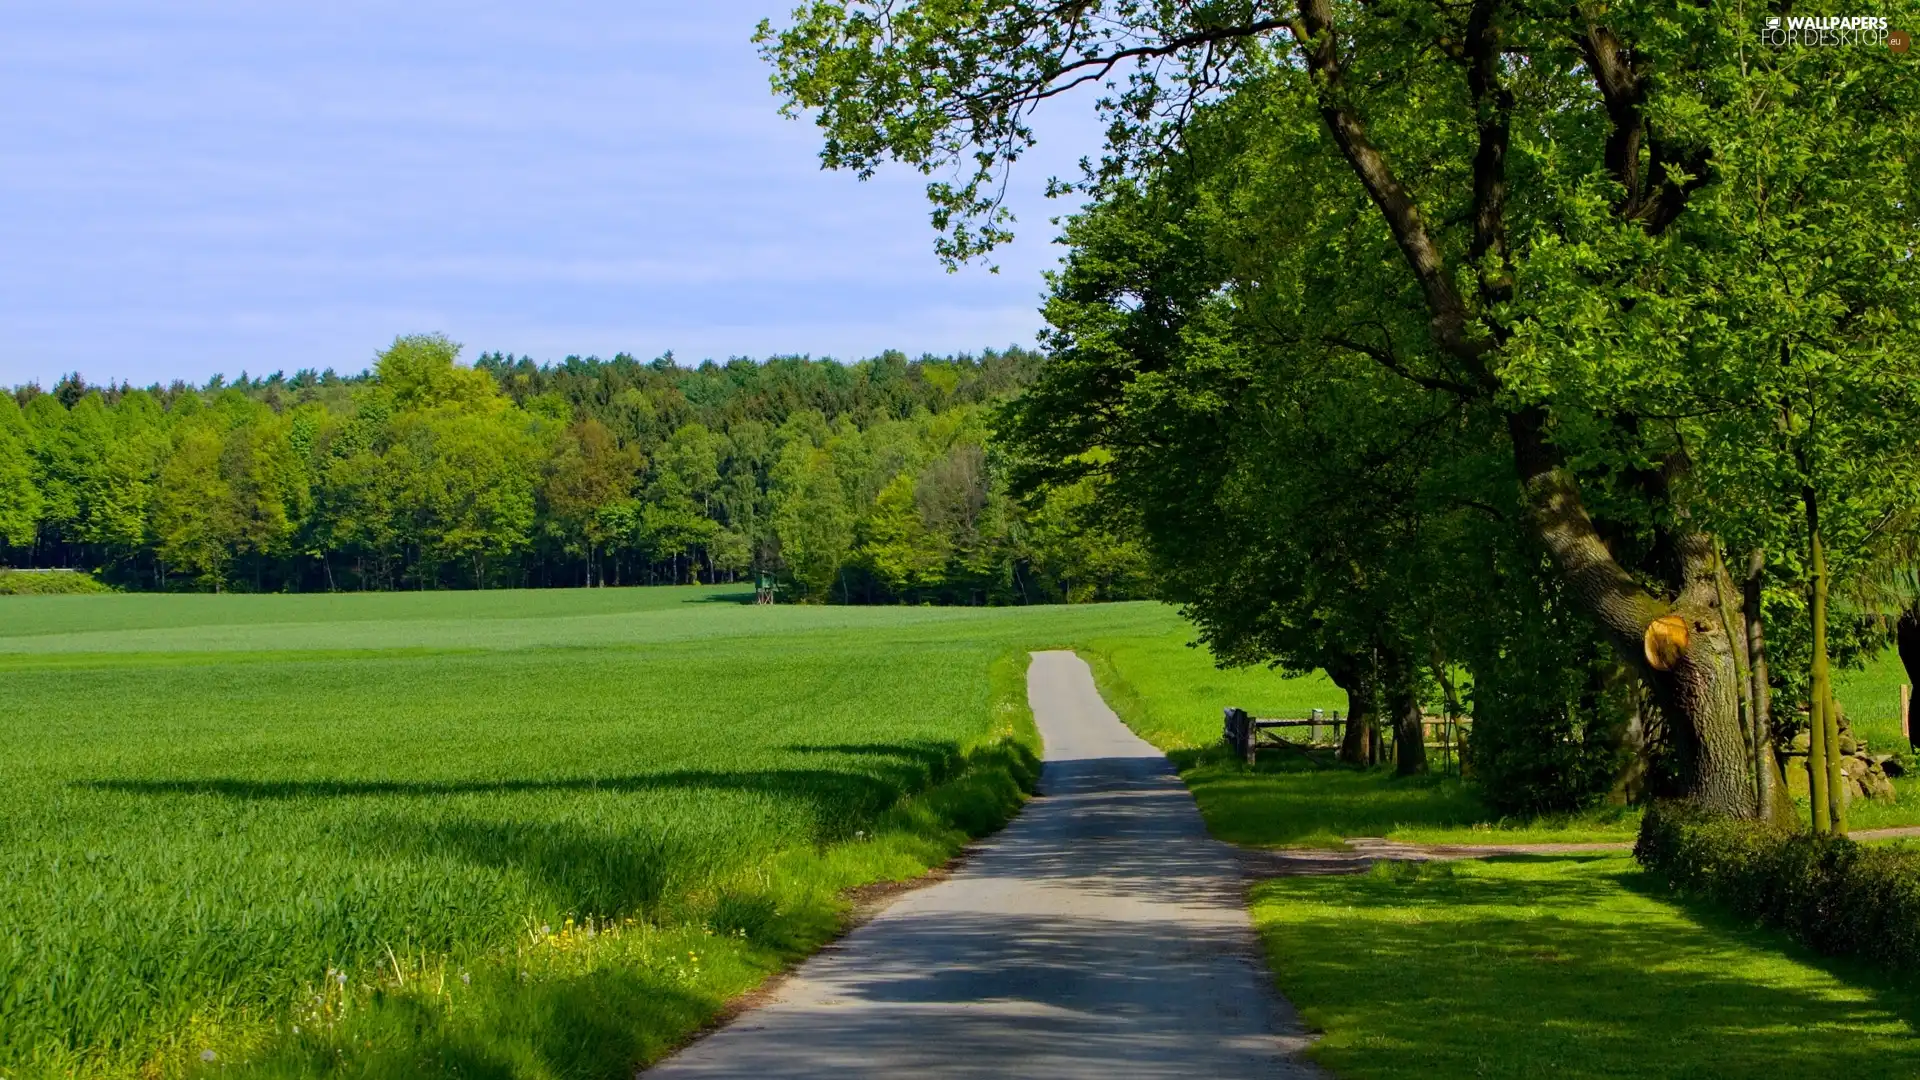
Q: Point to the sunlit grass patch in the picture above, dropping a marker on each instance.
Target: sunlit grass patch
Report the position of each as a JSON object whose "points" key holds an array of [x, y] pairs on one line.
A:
{"points": [[1563, 966]]}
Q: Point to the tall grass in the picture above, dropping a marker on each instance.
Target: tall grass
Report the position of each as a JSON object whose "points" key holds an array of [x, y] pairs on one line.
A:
{"points": [[467, 833]]}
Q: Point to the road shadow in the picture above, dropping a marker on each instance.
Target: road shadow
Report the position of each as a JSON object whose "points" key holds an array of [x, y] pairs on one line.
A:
{"points": [[963, 994]]}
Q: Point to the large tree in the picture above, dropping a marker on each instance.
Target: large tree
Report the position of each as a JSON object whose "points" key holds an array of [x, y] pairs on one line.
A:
{"points": [[1545, 181], [19, 495]]}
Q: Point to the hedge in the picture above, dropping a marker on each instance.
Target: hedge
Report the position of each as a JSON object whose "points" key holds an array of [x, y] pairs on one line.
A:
{"points": [[48, 583], [1832, 894]]}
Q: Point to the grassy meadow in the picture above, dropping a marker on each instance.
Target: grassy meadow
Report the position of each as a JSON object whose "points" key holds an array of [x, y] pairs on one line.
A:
{"points": [[499, 834]]}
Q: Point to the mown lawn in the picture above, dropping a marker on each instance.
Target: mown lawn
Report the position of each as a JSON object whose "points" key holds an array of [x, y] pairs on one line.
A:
{"points": [[500, 834], [1566, 965]]}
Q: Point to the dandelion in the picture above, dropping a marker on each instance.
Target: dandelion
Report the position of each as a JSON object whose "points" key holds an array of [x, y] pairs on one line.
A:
{"points": [[207, 1055], [341, 978], [466, 978]]}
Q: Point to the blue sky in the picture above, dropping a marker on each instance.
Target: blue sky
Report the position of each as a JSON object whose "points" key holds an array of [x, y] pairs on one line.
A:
{"points": [[191, 188]]}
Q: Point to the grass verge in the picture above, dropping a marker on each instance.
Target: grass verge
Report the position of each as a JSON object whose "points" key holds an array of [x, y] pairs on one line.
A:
{"points": [[1576, 966]]}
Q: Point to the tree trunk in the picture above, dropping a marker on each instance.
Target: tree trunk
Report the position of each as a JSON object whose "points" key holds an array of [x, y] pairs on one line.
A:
{"points": [[1630, 739], [1402, 684], [1827, 795], [1775, 804], [1355, 676], [1906, 636], [1695, 688], [1829, 812]]}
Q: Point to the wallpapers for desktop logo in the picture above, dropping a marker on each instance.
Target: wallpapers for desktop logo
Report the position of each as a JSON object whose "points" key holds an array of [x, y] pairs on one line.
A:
{"points": [[1835, 30]]}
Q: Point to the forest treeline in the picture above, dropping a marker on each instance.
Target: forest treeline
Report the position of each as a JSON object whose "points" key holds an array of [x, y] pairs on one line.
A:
{"points": [[866, 482]]}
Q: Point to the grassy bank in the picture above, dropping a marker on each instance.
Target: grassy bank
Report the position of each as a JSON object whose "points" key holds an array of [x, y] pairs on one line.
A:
{"points": [[530, 834]]}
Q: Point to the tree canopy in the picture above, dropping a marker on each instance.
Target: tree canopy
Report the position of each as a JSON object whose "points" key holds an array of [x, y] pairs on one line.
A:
{"points": [[866, 482], [1655, 269]]}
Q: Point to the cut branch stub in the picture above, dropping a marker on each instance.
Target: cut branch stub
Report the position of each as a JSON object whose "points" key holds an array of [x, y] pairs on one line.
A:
{"points": [[1666, 642]]}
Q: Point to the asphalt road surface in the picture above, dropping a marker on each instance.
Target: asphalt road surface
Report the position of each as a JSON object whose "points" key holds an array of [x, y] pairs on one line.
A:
{"points": [[1102, 934]]}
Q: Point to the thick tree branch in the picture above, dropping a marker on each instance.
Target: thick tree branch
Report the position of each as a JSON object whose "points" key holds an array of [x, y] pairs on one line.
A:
{"points": [[1386, 359], [1622, 605], [1313, 30], [1654, 194], [1493, 103], [1622, 92]]}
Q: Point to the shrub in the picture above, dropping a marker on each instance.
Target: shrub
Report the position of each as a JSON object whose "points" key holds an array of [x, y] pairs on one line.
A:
{"points": [[48, 583], [1829, 893], [1546, 732]]}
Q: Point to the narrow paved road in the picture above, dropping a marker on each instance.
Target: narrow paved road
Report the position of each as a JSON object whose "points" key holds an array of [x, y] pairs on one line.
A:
{"points": [[1102, 935]]}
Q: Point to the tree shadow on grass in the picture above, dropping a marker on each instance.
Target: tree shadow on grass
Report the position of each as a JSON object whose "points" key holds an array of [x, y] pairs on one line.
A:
{"points": [[885, 772], [1425, 971], [616, 870], [877, 776], [868, 790], [933, 762], [1897, 990]]}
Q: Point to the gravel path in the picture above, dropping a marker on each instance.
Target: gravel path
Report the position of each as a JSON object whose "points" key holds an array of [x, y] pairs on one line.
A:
{"points": [[1102, 935]]}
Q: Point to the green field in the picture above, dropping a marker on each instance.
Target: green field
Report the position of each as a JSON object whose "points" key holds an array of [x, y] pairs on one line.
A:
{"points": [[372, 817], [550, 834]]}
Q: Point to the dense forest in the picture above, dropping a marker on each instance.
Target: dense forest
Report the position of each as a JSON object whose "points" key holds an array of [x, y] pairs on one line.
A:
{"points": [[873, 481]]}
